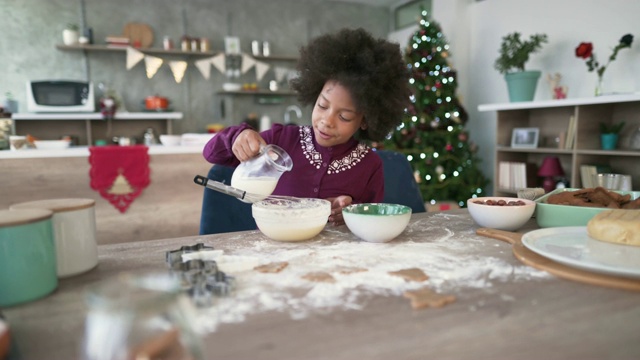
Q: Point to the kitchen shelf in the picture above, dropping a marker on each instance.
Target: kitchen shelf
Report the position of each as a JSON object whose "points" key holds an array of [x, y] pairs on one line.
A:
{"points": [[258, 92], [552, 118], [157, 51], [145, 115], [85, 126]]}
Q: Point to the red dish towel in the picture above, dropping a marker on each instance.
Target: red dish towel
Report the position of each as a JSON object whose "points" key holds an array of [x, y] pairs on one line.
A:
{"points": [[119, 173]]}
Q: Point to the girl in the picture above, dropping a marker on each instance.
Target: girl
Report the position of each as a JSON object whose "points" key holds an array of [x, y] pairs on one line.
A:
{"points": [[359, 88]]}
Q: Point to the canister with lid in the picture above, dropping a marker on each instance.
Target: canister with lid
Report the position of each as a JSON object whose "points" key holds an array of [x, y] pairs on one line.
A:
{"points": [[74, 227], [27, 256]]}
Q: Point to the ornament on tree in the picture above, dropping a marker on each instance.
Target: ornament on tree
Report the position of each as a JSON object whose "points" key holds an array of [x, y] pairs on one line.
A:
{"points": [[449, 147], [434, 124], [462, 136], [416, 175]]}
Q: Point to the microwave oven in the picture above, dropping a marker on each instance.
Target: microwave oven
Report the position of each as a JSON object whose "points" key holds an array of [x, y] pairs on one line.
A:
{"points": [[60, 96]]}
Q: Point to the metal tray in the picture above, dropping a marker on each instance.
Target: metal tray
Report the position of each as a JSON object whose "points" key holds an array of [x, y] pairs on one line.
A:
{"points": [[551, 215]]}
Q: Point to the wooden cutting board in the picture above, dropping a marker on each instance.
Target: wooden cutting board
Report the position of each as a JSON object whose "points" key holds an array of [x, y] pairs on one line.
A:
{"points": [[539, 262], [139, 32]]}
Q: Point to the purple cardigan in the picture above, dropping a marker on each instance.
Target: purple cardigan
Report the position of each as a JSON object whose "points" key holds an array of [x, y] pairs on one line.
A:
{"points": [[318, 172]]}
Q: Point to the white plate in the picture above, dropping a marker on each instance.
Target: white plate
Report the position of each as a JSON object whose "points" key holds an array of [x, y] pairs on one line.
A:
{"points": [[573, 247]]}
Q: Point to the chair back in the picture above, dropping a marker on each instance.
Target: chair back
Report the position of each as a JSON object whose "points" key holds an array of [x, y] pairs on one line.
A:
{"points": [[221, 212], [400, 185]]}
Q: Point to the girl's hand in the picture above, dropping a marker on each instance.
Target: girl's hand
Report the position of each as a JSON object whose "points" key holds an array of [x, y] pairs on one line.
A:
{"points": [[337, 203], [247, 145]]}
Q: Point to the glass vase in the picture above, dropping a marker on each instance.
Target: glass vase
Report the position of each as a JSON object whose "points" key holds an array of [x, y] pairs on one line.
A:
{"points": [[599, 86]]}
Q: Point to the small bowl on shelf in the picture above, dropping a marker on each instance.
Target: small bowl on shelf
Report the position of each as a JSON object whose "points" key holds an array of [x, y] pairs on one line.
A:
{"points": [[376, 222], [51, 144], [170, 140], [502, 213], [231, 87]]}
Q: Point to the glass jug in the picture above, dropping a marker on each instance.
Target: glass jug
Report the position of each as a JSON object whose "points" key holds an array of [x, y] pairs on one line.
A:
{"points": [[135, 316], [260, 174]]}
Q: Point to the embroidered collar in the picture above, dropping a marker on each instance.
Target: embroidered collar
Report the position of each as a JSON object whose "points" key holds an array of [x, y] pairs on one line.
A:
{"points": [[315, 158]]}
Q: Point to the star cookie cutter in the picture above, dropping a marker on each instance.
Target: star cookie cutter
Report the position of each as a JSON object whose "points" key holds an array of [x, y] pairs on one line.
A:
{"points": [[201, 279]]}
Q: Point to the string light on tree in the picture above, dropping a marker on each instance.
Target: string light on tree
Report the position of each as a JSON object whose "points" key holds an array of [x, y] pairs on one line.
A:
{"points": [[432, 133]]}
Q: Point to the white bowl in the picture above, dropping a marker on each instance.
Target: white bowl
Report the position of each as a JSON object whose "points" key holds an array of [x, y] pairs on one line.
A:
{"points": [[376, 222], [170, 140], [231, 87], [291, 220], [506, 217], [51, 144]]}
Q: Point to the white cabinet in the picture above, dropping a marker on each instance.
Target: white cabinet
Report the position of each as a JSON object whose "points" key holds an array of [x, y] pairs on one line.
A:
{"points": [[552, 118]]}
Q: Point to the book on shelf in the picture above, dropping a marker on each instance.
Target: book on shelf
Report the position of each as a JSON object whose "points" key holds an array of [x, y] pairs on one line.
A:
{"points": [[588, 174], [517, 175], [571, 134], [117, 39]]}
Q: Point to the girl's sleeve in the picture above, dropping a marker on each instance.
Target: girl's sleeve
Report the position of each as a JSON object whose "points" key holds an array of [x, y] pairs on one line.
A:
{"points": [[218, 149]]}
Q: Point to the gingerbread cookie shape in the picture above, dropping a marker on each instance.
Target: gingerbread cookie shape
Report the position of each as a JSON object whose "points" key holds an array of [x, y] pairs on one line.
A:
{"points": [[425, 297], [411, 274], [346, 270], [274, 267], [319, 276]]}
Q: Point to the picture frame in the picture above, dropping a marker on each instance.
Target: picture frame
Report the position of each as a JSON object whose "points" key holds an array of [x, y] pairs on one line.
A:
{"points": [[525, 138], [232, 45]]}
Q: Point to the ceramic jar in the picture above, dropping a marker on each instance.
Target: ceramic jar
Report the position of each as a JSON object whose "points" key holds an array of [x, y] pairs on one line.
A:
{"points": [[74, 226], [27, 256]]}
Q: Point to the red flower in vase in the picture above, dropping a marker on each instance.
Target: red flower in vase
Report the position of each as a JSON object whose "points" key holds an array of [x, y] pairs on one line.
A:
{"points": [[585, 51]]}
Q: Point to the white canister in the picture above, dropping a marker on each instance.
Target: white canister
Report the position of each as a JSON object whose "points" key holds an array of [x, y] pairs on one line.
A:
{"points": [[265, 123], [74, 228]]}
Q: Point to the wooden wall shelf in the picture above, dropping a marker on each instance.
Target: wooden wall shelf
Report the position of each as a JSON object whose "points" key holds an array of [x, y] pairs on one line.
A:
{"points": [[157, 51]]}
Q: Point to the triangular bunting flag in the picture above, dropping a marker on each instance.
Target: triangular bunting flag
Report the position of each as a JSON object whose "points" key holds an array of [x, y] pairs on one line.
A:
{"points": [[247, 63], [261, 69], [280, 73], [204, 66], [133, 57], [218, 62], [152, 64], [178, 68]]}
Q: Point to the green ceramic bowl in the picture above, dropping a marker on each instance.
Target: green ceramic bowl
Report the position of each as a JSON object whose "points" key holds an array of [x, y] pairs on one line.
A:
{"points": [[551, 215], [376, 222]]}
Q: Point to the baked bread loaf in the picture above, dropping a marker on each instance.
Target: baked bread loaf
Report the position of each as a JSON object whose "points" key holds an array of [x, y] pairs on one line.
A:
{"points": [[616, 226]]}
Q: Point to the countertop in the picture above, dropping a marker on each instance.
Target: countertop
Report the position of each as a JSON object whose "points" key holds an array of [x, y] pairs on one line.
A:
{"points": [[503, 309], [83, 151]]}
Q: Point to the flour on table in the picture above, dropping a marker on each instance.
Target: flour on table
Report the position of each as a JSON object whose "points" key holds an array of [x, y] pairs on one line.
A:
{"points": [[449, 261]]}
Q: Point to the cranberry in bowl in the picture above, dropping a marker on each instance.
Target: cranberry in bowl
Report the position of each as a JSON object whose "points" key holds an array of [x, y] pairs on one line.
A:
{"points": [[502, 213]]}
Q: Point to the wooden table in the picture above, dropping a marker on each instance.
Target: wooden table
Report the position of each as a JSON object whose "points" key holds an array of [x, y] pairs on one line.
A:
{"points": [[535, 316]]}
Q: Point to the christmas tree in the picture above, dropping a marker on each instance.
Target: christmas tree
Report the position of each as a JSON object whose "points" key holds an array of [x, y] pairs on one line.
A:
{"points": [[432, 133]]}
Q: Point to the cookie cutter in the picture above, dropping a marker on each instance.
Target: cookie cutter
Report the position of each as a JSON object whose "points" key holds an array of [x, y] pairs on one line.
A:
{"points": [[201, 279]]}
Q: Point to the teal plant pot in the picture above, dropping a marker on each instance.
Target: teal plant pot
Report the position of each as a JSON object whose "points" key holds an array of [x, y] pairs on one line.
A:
{"points": [[522, 85], [608, 141]]}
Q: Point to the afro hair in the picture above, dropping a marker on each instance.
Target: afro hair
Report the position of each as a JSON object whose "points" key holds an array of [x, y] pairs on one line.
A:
{"points": [[372, 70]]}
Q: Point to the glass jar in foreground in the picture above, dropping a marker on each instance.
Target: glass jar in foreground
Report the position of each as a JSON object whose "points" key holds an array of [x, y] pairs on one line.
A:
{"points": [[140, 316]]}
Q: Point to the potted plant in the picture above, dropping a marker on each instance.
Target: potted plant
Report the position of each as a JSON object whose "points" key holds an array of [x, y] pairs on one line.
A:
{"points": [[70, 34], [514, 54], [609, 135]]}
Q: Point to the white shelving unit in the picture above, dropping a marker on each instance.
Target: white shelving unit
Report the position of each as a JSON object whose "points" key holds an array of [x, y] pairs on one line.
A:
{"points": [[552, 118], [91, 126]]}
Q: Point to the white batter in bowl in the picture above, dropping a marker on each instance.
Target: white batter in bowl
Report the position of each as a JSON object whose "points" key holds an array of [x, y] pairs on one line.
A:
{"points": [[291, 220]]}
